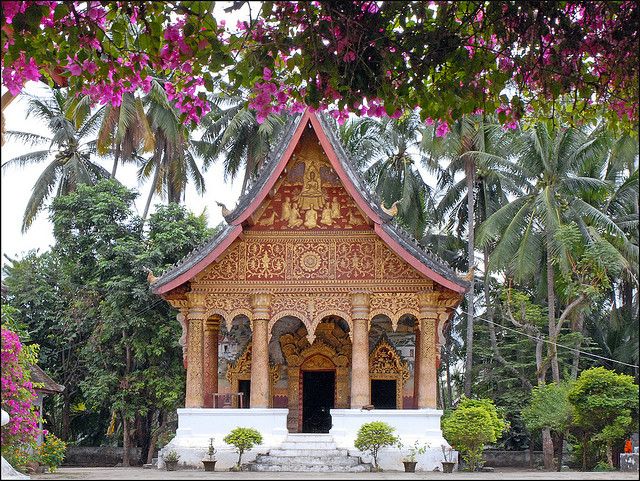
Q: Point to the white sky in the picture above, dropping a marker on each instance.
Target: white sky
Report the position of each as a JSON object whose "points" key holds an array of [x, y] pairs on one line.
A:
{"points": [[17, 182]]}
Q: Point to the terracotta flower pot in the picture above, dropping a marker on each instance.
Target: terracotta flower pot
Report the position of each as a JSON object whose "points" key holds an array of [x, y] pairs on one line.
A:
{"points": [[209, 465], [409, 466], [447, 466]]}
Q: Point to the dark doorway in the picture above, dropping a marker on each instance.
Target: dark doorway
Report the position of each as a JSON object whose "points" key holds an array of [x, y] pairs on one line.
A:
{"points": [[318, 394], [383, 394], [244, 386]]}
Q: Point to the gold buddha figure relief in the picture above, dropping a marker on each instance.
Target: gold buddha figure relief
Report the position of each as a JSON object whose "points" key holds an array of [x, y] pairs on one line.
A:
{"points": [[311, 196]]}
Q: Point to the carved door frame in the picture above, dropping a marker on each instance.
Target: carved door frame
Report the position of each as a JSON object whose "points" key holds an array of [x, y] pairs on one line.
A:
{"points": [[240, 370], [325, 366], [386, 364]]}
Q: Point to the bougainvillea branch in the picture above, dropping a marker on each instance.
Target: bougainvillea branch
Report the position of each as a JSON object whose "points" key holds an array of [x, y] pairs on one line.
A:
{"points": [[520, 59]]}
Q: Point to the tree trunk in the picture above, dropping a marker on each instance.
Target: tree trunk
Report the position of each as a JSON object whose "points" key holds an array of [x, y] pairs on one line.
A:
{"points": [[125, 441], [151, 192], [558, 442], [551, 306], [492, 328], [448, 370], [547, 449], [66, 415], [126, 436], [144, 434], [116, 159], [610, 455], [155, 434], [468, 364], [248, 172], [576, 354]]}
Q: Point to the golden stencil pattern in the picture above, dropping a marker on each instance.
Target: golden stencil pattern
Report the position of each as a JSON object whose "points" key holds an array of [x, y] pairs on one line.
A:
{"points": [[391, 266], [394, 304], [309, 260], [227, 267], [266, 260], [309, 308], [355, 260]]}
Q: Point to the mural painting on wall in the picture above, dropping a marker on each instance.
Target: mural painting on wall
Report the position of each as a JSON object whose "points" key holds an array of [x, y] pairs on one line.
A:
{"points": [[310, 196]]}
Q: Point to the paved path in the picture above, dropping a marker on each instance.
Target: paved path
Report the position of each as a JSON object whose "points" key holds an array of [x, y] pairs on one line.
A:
{"points": [[139, 473]]}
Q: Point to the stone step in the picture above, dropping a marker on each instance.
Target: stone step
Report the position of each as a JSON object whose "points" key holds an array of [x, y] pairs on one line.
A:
{"points": [[311, 460], [308, 445], [308, 452], [309, 436], [302, 467]]}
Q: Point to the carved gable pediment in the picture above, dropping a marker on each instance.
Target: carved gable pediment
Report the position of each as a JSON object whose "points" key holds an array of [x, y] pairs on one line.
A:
{"points": [[309, 196]]}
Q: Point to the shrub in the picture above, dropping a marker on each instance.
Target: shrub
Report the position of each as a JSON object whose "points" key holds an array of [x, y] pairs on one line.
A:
{"points": [[171, 457], [474, 423], [373, 436], [52, 451], [243, 439], [606, 409]]}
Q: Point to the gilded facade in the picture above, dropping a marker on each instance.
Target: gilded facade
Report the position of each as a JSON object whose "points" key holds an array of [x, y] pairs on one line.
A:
{"points": [[303, 245]]}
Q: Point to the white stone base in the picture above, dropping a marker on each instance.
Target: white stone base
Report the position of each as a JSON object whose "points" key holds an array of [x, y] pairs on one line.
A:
{"points": [[197, 425], [411, 425]]}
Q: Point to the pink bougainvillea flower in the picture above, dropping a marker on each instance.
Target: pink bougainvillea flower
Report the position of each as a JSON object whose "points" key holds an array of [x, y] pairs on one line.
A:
{"points": [[442, 130]]}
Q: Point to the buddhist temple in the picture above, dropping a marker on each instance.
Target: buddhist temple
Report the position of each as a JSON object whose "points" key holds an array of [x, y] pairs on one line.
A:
{"points": [[310, 311]]}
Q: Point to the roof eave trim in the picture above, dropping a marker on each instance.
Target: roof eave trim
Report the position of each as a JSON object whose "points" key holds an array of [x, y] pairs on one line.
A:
{"points": [[195, 269], [273, 177], [346, 180], [416, 263]]}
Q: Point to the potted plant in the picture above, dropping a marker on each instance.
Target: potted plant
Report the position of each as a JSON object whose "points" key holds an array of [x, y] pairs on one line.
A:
{"points": [[243, 439], [448, 463], [210, 464], [171, 460], [374, 436], [409, 460]]}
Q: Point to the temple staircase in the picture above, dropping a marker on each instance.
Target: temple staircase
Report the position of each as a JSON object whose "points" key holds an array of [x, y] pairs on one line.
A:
{"points": [[309, 452]]}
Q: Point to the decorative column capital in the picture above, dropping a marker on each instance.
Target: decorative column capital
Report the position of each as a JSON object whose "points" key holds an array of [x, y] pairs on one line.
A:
{"points": [[436, 305], [360, 305], [197, 312], [196, 298], [261, 302], [213, 322]]}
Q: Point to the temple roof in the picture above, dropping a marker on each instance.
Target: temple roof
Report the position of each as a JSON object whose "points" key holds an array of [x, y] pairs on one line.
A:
{"points": [[384, 225], [41, 377]]}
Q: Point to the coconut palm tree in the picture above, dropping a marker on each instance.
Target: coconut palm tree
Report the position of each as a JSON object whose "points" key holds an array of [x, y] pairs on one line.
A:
{"points": [[386, 151], [528, 230], [232, 133], [174, 159], [70, 152], [125, 130], [476, 155]]}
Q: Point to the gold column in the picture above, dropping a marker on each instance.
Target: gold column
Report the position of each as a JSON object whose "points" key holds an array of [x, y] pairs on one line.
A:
{"points": [[416, 363], [210, 359], [360, 381], [426, 356], [195, 393], [260, 351]]}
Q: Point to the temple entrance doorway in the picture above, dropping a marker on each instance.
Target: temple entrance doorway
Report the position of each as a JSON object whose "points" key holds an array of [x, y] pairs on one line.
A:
{"points": [[318, 398], [383, 394], [244, 386]]}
